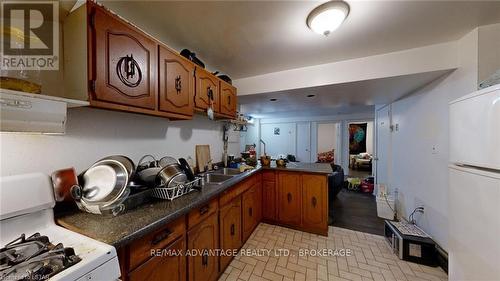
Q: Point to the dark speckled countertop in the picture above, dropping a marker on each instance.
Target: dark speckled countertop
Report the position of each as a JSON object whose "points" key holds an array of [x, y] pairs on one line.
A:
{"points": [[133, 224]]}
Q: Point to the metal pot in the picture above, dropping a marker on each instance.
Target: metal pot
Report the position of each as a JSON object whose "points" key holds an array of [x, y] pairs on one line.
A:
{"points": [[265, 161], [104, 182], [281, 163], [124, 160], [171, 175]]}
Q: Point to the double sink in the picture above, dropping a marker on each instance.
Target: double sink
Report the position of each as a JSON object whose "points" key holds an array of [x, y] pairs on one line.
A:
{"points": [[220, 176]]}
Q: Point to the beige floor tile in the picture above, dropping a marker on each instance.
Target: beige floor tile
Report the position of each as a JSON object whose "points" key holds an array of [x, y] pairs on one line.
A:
{"points": [[371, 258]]}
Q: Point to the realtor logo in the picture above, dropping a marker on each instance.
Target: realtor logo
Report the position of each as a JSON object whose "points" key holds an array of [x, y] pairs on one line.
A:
{"points": [[30, 35]]}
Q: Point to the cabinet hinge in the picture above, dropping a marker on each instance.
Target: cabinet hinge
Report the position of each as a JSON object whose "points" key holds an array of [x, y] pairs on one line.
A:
{"points": [[92, 85]]}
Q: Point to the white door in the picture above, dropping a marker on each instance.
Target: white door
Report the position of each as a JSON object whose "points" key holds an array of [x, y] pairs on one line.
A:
{"points": [[382, 153], [304, 142]]}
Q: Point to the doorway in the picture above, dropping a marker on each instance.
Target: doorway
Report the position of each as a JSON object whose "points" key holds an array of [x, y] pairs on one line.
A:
{"points": [[359, 148], [328, 139]]}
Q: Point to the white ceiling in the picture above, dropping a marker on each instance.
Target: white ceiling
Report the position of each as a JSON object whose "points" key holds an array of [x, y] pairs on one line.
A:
{"points": [[246, 38], [336, 99]]}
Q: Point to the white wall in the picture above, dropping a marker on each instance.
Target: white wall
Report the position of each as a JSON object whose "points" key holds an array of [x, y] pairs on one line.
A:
{"points": [[284, 143], [327, 137], [421, 175], [341, 157], [489, 50], [93, 133]]}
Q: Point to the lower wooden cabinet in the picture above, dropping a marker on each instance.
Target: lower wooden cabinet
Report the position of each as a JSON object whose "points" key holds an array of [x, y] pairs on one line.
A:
{"points": [[203, 238], [251, 209], [289, 198], [165, 267], [315, 202], [268, 200], [230, 229]]}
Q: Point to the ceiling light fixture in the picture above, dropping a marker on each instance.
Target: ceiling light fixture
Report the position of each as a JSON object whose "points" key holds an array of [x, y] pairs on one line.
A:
{"points": [[327, 17], [273, 99], [311, 96]]}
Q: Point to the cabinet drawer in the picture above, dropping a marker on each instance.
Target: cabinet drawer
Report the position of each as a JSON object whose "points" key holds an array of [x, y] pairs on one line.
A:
{"points": [[172, 268], [268, 176], [201, 213], [140, 250]]}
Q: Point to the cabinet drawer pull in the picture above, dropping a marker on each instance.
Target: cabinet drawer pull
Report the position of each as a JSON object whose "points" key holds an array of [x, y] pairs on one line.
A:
{"points": [[204, 258], [250, 211], [161, 236], [204, 210], [314, 201], [178, 84], [289, 197], [232, 229]]}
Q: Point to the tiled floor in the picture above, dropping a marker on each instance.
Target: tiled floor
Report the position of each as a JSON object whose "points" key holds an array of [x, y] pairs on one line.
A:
{"points": [[371, 258]]}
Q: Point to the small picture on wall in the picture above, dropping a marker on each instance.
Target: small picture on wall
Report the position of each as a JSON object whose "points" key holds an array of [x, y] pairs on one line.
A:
{"points": [[276, 131]]}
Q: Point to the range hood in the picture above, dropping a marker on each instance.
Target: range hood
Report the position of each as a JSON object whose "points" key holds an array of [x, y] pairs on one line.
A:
{"points": [[34, 113]]}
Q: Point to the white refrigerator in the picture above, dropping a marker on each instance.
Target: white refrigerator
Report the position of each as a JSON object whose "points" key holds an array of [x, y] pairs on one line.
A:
{"points": [[474, 186]]}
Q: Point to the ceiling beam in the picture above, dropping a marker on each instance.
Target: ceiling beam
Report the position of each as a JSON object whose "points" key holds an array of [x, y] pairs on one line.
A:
{"points": [[436, 57]]}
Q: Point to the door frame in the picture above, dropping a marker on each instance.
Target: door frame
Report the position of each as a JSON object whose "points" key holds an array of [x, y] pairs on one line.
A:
{"points": [[345, 142], [376, 141]]}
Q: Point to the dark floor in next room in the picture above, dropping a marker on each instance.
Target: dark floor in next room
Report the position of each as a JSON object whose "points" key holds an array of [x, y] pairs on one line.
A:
{"points": [[357, 211]]}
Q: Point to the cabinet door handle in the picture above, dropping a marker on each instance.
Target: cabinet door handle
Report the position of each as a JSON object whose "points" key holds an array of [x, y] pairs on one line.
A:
{"points": [[232, 229], [178, 84], [250, 211], [289, 197], [204, 258], [126, 70], [160, 237], [229, 100], [204, 210], [210, 93], [314, 201]]}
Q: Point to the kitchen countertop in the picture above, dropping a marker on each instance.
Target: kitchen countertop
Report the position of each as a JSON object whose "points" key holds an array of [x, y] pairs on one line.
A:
{"points": [[124, 228]]}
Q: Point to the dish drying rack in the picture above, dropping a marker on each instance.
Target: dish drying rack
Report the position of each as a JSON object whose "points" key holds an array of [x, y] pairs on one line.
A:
{"points": [[170, 193]]}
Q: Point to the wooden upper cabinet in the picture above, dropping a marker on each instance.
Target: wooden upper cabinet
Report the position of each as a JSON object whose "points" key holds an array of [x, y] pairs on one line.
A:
{"points": [[207, 90], [203, 238], [230, 229], [289, 198], [315, 202], [228, 99], [123, 62], [166, 267], [176, 84]]}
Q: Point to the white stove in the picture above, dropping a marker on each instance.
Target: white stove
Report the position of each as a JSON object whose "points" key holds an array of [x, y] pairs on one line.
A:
{"points": [[26, 207]]}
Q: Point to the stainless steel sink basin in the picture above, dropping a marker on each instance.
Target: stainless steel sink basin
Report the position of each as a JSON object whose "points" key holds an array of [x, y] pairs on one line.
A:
{"points": [[213, 178], [227, 171]]}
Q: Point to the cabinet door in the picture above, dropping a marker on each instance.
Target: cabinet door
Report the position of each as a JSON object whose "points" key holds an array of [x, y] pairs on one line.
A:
{"points": [[202, 238], [176, 82], [207, 90], [227, 99], [251, 209], [230, 229], [123, 63], [315, 195], [289, 198], [167, 267], [268, 200]]}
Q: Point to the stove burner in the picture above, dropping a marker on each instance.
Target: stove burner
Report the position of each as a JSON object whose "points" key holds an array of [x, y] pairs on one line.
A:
{"points": [[34, 258]]}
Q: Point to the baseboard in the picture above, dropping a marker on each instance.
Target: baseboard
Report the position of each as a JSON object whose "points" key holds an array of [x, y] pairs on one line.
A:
{"points": [[442, 258]]}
